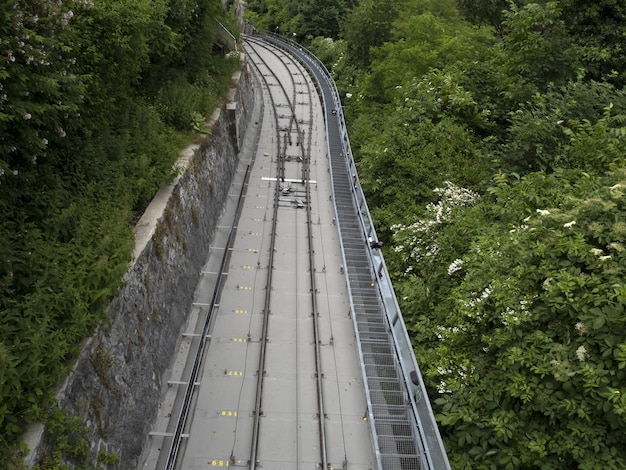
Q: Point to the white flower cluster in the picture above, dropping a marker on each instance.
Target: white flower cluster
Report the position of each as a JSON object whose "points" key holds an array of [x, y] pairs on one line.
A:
{"points": [[512, 317], [457, 373], [446, 332], [451, 197], [600, 254], [477, 300], [34, 44], [455, 266], [418, 240]]}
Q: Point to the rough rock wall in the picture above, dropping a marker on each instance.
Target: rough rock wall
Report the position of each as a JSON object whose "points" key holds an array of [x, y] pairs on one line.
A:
{"points": [[117, 380]]}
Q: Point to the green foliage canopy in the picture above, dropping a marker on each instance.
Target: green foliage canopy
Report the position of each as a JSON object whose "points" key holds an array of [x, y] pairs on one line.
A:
{"points": [[528, 356], [302, 19]]}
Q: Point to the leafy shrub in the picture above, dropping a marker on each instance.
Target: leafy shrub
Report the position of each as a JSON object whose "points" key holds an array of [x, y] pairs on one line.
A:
{"points": [[177, 102], [529, 361]]}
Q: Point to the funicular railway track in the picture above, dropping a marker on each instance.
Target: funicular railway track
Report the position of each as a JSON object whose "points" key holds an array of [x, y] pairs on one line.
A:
{"points": [[274, 381], [304, 159]]}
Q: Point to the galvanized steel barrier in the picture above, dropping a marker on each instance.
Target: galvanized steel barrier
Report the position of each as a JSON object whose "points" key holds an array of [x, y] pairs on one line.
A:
{"points": [[404, 430]]}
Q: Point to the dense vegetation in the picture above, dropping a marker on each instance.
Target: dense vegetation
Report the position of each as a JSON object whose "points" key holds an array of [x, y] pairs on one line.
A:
{"points": [[491, 141], [97, 97]]}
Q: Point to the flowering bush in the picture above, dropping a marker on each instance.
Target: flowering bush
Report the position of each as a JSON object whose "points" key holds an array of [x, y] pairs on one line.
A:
{"points": [[40, 84], [530, 360], [514, 301], [417, 242]]}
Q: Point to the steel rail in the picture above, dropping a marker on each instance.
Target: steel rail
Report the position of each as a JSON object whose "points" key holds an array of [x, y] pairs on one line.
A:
{"points": [[291, 102], [316, 333], [306, 177], [268, 293]]}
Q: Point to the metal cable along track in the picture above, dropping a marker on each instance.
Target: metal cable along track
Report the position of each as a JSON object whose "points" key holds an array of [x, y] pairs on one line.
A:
{"points": [[405, 434]]}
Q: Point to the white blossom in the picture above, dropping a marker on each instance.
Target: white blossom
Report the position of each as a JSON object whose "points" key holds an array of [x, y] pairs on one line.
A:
{"points": [[455, 266], [472, 303], [509, 317], [417, 240], [569, 224]]}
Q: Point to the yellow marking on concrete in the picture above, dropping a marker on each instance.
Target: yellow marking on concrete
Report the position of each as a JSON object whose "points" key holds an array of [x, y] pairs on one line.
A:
{"points": [[260, 207], [247, 266], [241, 310], [228, 413], [240, 340], [253, 250], [220, 463], [235, 373]]}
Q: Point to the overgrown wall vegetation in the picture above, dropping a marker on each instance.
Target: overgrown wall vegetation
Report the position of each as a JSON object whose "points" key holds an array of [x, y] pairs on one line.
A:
{"points": [[97, 98], [491, 139]]}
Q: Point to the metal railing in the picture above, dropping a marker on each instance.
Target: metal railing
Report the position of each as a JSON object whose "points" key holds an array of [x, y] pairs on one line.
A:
{"points": [[227, 37]]}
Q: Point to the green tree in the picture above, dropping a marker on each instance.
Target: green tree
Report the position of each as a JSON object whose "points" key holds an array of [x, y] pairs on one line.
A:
{"points": [[368, 25], [423, 143], [268, 15], [488, 12], [599, 28], [41, 86], [320, 17], [537, 49], [84, 149], [541, 131], [303, 20], [422, 39], [328, 51]]}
